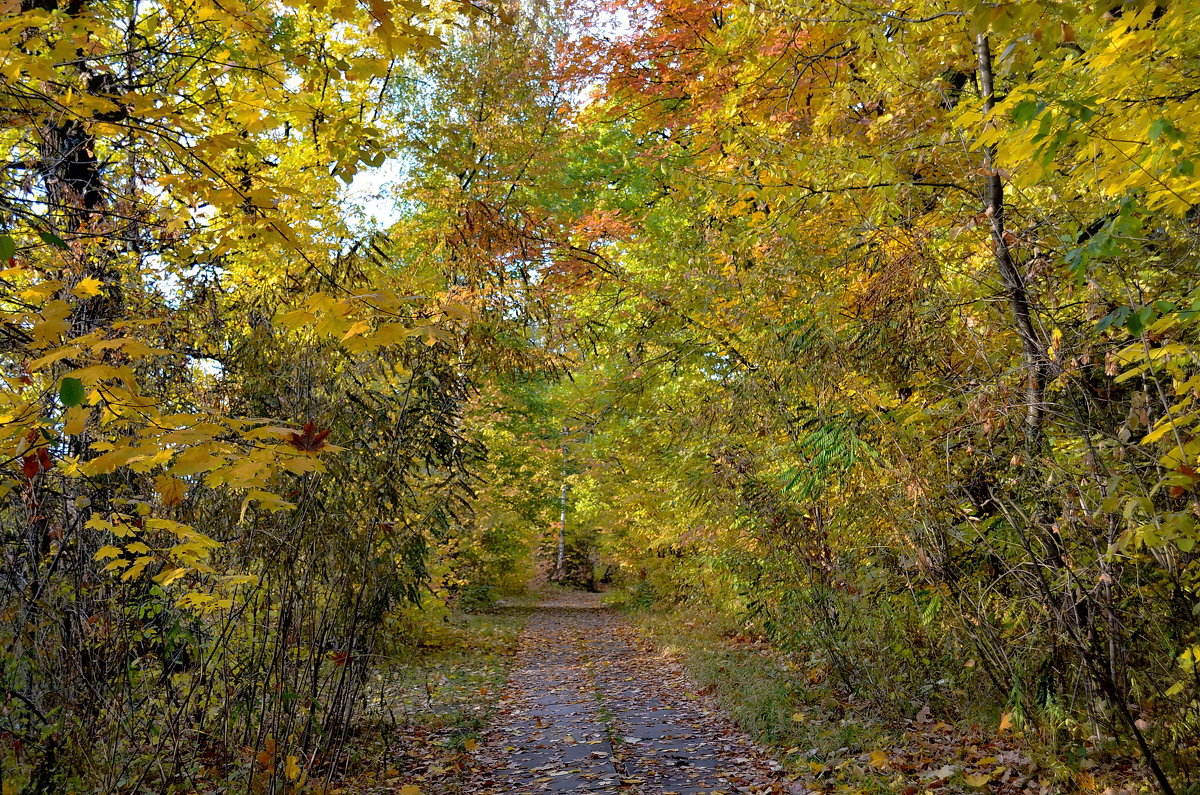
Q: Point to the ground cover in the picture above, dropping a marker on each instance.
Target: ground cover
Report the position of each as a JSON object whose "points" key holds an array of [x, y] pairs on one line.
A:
{"points": [[429, 704], [832, 740]]}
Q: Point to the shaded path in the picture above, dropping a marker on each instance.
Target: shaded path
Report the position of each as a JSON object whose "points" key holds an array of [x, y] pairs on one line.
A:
{"points": [[591, 708]]}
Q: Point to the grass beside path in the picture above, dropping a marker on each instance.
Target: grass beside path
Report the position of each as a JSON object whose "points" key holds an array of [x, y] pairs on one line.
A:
{"points": [[833, 742], [428, 705]]}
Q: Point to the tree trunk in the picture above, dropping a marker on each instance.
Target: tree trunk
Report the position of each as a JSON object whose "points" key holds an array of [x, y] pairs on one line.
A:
{"points": [[560, 561], [1033, 352]]}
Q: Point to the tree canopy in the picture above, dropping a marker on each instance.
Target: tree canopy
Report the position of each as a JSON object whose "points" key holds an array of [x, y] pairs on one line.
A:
{"points": [[870, 326]]}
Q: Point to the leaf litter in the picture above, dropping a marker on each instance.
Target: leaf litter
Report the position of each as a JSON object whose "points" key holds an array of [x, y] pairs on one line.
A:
{"points": [[592, 707]]}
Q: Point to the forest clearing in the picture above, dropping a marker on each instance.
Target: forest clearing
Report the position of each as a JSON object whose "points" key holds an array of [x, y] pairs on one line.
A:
{"points": [[652, 396]]}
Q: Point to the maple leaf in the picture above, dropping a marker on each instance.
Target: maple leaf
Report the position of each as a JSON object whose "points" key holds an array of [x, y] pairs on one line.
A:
{"points": [[170, 489], [30, 466], [308, 439]]}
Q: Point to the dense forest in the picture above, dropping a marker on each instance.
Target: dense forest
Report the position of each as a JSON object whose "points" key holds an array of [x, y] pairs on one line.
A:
{"points": [[866, 330]]}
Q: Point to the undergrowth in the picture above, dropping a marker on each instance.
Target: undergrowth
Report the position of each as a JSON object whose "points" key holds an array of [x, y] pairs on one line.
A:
{"points": [[831, 739], [429, 701]]}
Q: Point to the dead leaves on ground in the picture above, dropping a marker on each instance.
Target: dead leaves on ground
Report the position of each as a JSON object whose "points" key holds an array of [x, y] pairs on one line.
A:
{"points": [[922, 755], [936, 757]]}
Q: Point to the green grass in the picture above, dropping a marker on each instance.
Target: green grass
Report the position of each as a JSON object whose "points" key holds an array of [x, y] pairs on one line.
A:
{"points": [[827, 737], [768, 694], [452, 680]]}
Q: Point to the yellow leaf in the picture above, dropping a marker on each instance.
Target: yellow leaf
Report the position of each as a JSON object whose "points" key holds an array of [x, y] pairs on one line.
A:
{"points": [[292, 768], [109, 462], [296, 319], [457, 311], [410, 789], [977, 779], [200, 432], [87, 287], [137, 568], [53, 356], [270, 432], [269, 502], [358, 328], [97, 372], [195, 459], [244, 474], [389, 334], [129, 346], [106, 552], [879, 759], [471, 744], [40, 292], [170, 575], [75, 419], [146, 463], [1006, 721], [56, 321], [1165, 426], [301, 464], [170, 489]]}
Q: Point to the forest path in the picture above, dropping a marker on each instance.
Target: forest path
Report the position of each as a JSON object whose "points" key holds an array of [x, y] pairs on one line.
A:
{"points": [[590, 707]]}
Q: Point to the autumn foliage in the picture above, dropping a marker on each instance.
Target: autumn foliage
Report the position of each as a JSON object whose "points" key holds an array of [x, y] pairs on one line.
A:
{"points": [[869, 328]]}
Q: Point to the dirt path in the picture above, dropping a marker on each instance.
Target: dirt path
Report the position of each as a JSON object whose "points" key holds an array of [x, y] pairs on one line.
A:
{"points": [[592, 708]]}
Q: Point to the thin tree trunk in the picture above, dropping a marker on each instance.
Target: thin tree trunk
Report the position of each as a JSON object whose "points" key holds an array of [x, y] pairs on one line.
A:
{"points": [[1033, 353], [1037, 368], [562, 515]]}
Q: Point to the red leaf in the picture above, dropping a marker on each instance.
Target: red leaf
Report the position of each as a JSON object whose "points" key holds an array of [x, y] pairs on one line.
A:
{"points": [[309, 439], [30, 466]]}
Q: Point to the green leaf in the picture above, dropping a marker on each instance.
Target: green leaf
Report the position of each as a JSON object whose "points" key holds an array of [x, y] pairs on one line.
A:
{"points": [[1113, 318], [1139, 320], [71, 392], [8, 248], [51, 239], [1161, 127], [1077, 259], [1026, 111], [1133, 323]]}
